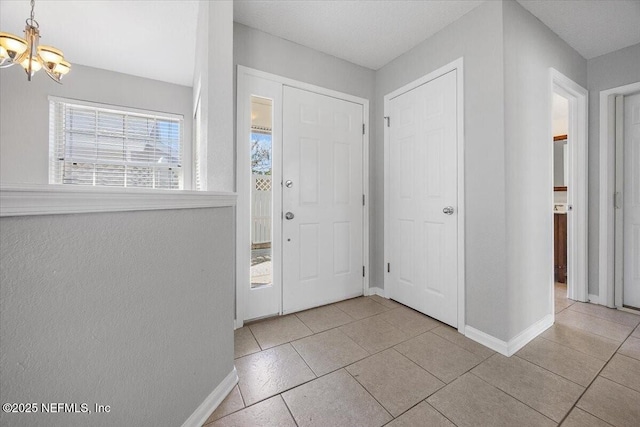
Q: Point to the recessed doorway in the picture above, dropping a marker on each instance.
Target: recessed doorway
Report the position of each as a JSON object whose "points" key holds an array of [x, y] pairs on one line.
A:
{"points": [[568, 202], [302, 214]]}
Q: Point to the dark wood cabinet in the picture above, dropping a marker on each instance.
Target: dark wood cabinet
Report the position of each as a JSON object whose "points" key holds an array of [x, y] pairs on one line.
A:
{"points": [[560, 247]]}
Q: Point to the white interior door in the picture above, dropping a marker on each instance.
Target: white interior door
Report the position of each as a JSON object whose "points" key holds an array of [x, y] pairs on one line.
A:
{"points": [[631, 202], [422, 201], [322, 199]]}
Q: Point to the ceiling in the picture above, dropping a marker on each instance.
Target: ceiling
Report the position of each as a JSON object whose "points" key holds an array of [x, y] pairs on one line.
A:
{"points": [[156, 39], [364, 32], [592, 28]]}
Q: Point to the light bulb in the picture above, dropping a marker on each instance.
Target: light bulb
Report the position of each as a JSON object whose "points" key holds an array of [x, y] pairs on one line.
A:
{"points": [[50, 55], [11, 46], [35, 65]]}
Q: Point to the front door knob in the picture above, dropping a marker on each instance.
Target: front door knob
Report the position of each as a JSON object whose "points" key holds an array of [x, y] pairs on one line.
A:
{"points": [[448, 210], [289, 215]]}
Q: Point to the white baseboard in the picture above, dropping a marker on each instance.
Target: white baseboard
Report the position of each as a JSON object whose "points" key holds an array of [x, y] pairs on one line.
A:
{"points": [[514, 344], [486, 340], [373, 290], [594, 299], [212, 401], [524, 337], [237, 324]]}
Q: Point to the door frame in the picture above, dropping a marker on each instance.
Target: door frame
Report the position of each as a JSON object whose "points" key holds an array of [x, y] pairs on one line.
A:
{"points": [[243, 161], [607, 227], [577, 188], [457, 65]]}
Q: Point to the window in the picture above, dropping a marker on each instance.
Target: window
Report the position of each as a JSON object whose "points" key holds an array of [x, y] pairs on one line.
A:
{"points": [[100, 145]]}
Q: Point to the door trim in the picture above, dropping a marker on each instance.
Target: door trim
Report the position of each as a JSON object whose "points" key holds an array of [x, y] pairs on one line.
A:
{"points": [[243, 161], [458, 66], [577, 191], [606, 235]]}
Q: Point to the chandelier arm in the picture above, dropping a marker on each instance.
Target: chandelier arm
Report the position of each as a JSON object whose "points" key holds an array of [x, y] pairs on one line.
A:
{"points": [[54, 77]]}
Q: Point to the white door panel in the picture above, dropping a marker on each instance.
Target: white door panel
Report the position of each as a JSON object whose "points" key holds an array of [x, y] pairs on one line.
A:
{"points": [[423, 181], [631, 202], [322, 157]]}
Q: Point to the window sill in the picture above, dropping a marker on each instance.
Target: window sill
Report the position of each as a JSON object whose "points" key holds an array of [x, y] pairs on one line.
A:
{"points": [[25, 200]]}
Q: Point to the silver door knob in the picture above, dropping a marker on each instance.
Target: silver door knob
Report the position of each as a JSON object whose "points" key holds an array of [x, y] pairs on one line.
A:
{"points": [[289, 215], [288, 184], [448, 210]]}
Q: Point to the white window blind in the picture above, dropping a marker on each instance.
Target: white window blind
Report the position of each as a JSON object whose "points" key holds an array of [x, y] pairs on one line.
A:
{"points": [[197, 147], [92, 144]]}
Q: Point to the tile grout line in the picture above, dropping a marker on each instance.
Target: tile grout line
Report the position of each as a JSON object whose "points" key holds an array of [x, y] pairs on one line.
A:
{"points": [[255, 338], [554, 373], [288, 409], [592, 381], [600, 318], [604, 318], [369, 393], [621, 385], [437, 410], [575, 349], [520, 401]]}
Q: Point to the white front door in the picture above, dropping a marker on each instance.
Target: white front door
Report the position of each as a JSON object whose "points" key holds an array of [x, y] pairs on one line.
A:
{"points": [[322, 200], [631, 202], [423, 199]]}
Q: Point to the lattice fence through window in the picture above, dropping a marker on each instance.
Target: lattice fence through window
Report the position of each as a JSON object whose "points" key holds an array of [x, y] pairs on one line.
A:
{"points": [[263, 183]]}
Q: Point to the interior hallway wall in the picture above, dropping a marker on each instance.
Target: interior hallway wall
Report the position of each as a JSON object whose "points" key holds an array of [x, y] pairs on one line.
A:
{"points": [[477, 37], [531, 49]]}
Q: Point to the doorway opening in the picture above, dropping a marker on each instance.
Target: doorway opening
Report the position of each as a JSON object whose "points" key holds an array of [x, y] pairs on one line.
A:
{"points": [[568, 156], [561, 184]]}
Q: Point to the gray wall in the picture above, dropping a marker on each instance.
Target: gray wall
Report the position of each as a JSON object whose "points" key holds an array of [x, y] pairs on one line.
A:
{"points": [[24, 113], [259, 50], [213, 76], [604, 72], [131, 310], [530, 49], [477, 37], [256, 49]]}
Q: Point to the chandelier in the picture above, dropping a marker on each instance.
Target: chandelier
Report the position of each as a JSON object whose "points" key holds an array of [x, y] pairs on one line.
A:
{"points": [[30, 54]]}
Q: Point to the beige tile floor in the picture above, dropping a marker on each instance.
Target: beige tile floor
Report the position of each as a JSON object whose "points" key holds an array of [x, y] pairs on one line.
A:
{"points": [[372, 362]]}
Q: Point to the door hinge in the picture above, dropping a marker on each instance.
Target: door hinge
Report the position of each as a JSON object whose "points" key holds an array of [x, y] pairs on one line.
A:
{"points": [[617, 200], [388, 119], [363, 200], [363, 128], [388, 267], [363, 271]]}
